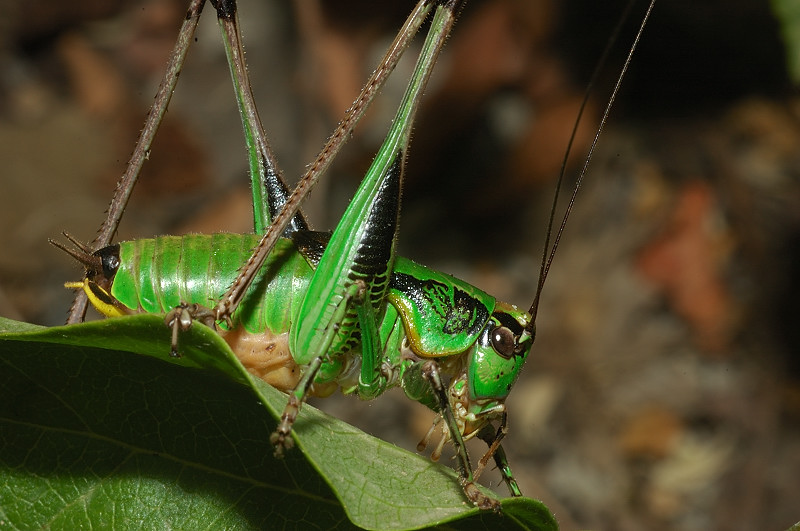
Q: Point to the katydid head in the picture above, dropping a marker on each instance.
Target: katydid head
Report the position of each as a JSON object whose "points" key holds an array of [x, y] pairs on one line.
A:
{"points": [[492, 367], [499, 355]]}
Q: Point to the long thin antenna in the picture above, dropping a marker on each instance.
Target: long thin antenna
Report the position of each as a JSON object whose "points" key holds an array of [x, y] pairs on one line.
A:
{"points": [[548, 253]]}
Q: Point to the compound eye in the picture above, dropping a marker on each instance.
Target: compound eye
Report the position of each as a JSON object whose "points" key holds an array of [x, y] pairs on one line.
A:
{"points": [[503, 341]]}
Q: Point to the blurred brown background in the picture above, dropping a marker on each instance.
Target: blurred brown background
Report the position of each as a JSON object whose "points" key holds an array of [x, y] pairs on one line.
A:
{"points": [[663, 390]]}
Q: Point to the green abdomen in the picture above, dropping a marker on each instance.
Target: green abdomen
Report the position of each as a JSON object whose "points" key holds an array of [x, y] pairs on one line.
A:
{"points": [[157, 274]]}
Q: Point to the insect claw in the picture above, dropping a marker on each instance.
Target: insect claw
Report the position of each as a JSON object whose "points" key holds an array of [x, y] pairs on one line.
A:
{"points": [[281, 443], [277, 445], [221, 312], [479, 499]]}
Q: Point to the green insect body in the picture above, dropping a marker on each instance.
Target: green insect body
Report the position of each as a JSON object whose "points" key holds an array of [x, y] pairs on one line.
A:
{"points": [[427, 315]]}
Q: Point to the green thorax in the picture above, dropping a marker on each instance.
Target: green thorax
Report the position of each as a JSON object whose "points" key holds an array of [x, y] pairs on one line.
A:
{"points": [[442, 315]]}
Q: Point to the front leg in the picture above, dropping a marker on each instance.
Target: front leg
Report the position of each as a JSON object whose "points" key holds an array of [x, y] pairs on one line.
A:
{"points": [[496, 451], [430, 371]]}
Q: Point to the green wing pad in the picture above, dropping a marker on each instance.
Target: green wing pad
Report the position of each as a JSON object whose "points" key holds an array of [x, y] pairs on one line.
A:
{"points": [[441, 314]]}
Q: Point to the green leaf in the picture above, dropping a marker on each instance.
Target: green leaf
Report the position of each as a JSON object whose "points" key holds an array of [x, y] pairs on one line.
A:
{"points": [[100, 428]]}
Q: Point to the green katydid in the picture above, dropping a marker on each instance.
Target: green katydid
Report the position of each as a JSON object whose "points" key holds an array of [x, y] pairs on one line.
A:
{"points": [[339, 312]]}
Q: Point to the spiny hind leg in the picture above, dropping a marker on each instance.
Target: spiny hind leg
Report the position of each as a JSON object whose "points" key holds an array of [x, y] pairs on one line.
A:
{"points": [[281, 438]]}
